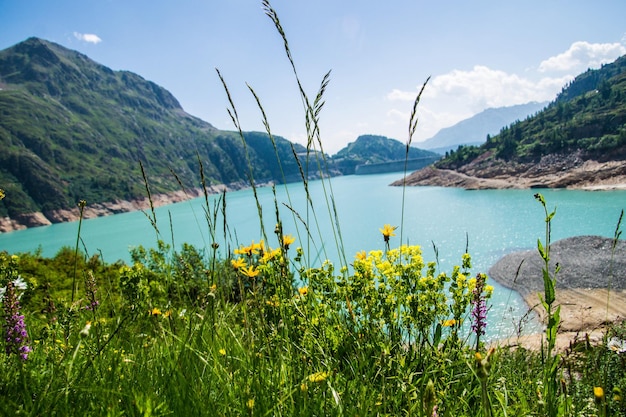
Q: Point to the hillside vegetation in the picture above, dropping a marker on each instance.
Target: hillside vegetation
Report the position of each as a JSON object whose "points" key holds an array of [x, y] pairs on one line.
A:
{"points": [[578, 141], [373, 149], [72, 129]]}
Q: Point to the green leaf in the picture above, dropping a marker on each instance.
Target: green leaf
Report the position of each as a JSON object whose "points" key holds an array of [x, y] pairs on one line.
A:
{"points": [[548, 287], [437, 336], [541, 249]]}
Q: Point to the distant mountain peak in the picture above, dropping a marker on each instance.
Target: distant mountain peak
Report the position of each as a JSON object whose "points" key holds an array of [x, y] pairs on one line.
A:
{"points": [[44, 67], [474, 131]]}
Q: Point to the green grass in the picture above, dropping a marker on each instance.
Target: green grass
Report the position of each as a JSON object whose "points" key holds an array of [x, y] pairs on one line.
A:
{"points": [[267, 331]]}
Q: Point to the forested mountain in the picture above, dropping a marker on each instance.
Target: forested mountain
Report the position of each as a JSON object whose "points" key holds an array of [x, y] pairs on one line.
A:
{"points": [[580, 138], [474, 130], [373, 149], [589, 116], [72, 129]]}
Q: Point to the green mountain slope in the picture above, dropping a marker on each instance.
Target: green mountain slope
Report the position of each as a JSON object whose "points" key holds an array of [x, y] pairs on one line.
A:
{"points": [[372, 149], [587, 118], [72, 129]]}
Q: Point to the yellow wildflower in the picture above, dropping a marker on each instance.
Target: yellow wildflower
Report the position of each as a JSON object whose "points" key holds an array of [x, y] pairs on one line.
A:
{"points": [[488, 290], [598, 392], [361, 256], [238, 263], [213, 287], [2, 195], [155, 312], [449, 323], [222, 352], [318, 376], [388, 231], [288, 240], [272, 303], [253, 249], [269, 255], [250, 403], [303, 290], [250, 271]]}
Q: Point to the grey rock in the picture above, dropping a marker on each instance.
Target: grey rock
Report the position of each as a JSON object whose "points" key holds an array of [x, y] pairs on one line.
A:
{"points": [[585, 262]]}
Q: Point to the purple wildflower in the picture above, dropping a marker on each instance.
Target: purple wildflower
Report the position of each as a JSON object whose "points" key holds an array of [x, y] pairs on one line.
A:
{"points": [[16, 336], [91, 288], [479, 308]]}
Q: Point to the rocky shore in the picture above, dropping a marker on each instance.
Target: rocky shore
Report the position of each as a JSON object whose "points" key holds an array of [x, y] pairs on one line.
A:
{"points": [[590, 286], [552, 171], [25, 221]]}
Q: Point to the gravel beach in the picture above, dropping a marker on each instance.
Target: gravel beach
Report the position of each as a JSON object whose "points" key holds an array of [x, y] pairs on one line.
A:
{"points": [[590, 286]]}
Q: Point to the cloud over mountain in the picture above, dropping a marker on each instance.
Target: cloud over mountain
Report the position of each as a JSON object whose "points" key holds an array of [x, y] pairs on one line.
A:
{"points": [[459, 94], [583, 55], [87, 37]]}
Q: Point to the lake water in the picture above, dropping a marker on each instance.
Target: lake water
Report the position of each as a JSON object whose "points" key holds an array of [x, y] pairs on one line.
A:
{"points": [[492, 222]]}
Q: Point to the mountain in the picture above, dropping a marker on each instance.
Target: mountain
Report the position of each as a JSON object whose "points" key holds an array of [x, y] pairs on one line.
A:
{"points": [[474, 131], [72, 129], [578, 140], [377, 154]]}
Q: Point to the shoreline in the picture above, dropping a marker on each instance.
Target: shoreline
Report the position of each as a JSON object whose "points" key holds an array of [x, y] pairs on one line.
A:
{"points": [[571, 174], [590, 288], [37, 219], [585, 318]]}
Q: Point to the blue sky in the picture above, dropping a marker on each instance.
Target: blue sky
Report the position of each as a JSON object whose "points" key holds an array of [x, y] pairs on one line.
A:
{"points": [[480, 54]]}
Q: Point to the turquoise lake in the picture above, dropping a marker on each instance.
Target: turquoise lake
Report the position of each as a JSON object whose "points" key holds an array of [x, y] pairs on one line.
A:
{"points": [[491, 222]]}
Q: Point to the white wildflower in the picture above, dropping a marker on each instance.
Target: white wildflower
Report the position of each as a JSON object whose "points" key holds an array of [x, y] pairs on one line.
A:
{"points": [[616, 345], [18, 284]]}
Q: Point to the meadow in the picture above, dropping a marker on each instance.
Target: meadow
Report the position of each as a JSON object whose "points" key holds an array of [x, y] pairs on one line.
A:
{"points": [[266, 331]]}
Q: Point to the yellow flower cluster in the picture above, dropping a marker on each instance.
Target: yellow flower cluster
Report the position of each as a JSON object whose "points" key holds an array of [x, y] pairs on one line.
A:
{"points": [[256, 255]]}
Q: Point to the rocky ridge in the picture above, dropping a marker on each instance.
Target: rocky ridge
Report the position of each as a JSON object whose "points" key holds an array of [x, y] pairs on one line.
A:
{"points": [[552, 171]]}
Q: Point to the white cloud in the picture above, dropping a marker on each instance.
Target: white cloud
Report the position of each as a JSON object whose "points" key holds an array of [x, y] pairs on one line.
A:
{"points": [[459, 94], [401, 95], [87, 37], [583, 55], [483, 87]]}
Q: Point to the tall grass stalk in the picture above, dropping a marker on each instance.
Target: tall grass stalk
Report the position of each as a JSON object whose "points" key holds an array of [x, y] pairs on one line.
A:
{"points": [[553, 319], [616, 236], [312, 113], [81, 209], [413, 120]]}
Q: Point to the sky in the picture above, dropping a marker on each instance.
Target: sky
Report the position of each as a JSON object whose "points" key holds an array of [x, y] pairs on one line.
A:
{"points": [[478, 54]]}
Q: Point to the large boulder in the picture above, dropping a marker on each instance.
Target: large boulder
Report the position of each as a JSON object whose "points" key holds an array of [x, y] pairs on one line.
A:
{"points": [[585, 261]]}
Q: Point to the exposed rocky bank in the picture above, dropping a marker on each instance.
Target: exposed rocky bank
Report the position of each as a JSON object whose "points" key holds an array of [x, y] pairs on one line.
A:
{"points": [[552, 171], [590, 286], [25, 221]]}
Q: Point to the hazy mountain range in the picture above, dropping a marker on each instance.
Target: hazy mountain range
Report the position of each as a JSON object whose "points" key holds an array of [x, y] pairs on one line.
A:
{"points": [[474, 131]]}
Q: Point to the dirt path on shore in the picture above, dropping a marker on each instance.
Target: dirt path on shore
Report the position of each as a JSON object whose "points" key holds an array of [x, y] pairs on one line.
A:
{"points": [[585, 316]]}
